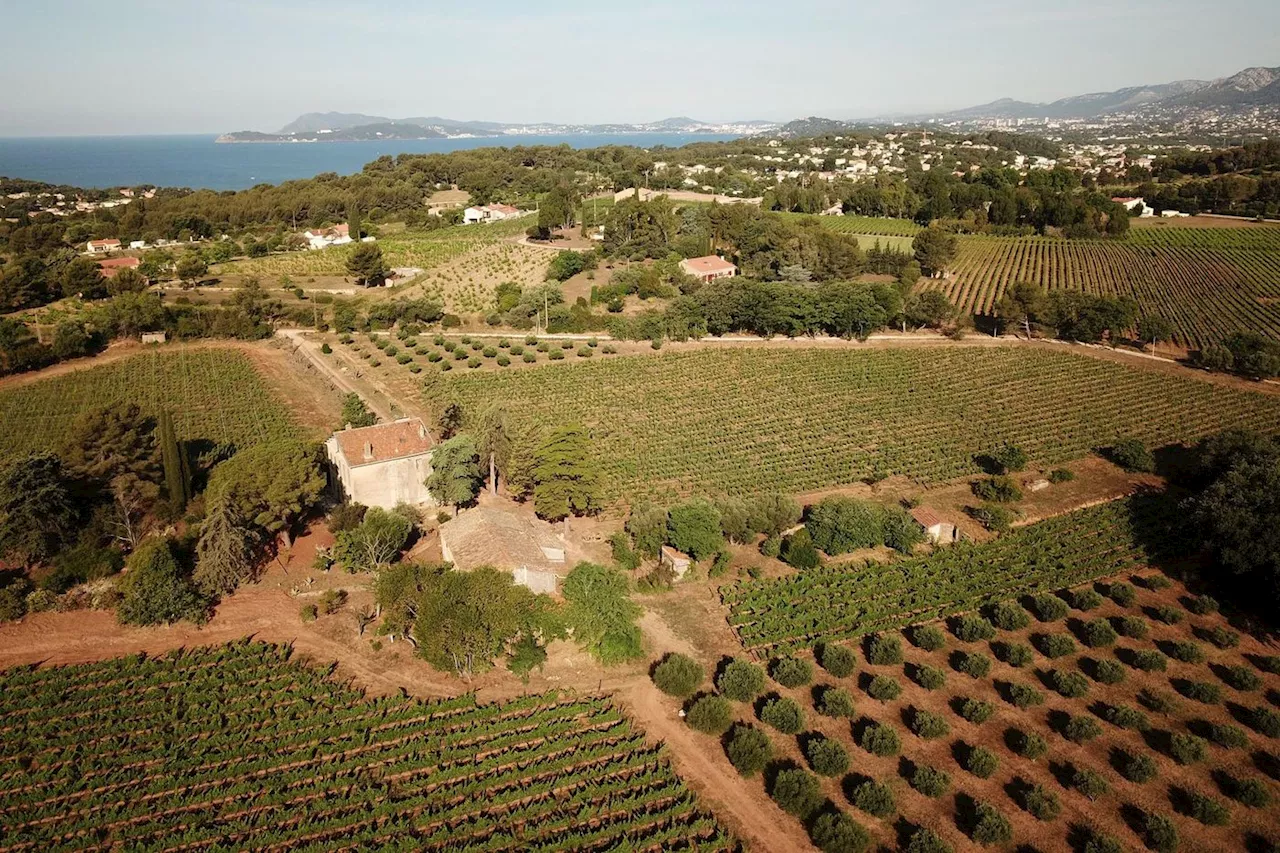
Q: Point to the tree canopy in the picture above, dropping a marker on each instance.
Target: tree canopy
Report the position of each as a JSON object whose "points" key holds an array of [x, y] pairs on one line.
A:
{"points": [[270, 485], [602, 614]]}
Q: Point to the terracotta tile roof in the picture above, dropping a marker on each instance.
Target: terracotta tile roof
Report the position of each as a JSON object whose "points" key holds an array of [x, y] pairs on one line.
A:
{"points": [[111, 242], [378, 443], [1123, 199], [926, 517], [709, 264], [504, 208], [487, 536], [111, 266]]}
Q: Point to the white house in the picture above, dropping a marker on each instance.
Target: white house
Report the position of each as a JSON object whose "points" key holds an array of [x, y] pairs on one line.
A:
{"points": [[320, 238], [102, 247], [1131, 202], [836, 209], [708, 268], [677, 561], [383, 465], [489, 213]]}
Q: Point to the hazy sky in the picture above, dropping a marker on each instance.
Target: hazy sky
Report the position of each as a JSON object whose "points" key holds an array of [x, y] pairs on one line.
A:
{"points": [[174, 66]]}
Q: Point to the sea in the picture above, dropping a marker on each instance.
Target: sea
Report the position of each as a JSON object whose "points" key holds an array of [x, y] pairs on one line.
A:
{"points": [[198, 162]]}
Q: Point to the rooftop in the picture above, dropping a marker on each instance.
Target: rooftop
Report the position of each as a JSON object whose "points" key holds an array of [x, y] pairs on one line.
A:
{"points": [[491, 536], [926, 517], [381, 442], [709, 264]]}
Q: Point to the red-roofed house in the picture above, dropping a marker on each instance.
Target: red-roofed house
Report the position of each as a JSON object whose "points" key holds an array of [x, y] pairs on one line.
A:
{"points": [[101, 247], [383, 465], [110, 266], [337, 235], [709, 268], [939, 530]]}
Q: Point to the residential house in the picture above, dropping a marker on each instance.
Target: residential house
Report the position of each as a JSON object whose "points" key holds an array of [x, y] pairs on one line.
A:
{"points": [[709, 268], [936, 528], [110, 266], [102, 247], [320, 238], [1130, 202], [383, 465], [489, 213], [517, 542]]}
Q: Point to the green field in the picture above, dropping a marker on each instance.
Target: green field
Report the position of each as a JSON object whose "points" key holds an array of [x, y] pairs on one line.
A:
{"points": [[212, 394], [755, 419], [238, 747]]}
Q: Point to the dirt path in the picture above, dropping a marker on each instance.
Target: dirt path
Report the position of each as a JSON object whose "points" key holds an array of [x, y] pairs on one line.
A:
{"points": [[308, 350]]}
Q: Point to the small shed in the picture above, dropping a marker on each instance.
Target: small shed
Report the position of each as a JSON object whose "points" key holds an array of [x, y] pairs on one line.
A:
{"points": [[506, 539], [676, 561], [939, 530], [153, 337]]}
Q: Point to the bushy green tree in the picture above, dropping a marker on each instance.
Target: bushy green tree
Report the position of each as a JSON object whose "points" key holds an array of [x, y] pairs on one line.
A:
{"points": [[566, 475], [678, 675], [224, 552], [749, 749], [270, 485], [38, 512], [741, 680], [694, 528], [154, 590], [355, 413]]}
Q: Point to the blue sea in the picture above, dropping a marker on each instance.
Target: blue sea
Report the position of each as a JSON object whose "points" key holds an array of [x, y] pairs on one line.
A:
{"points": [[200, 163]]}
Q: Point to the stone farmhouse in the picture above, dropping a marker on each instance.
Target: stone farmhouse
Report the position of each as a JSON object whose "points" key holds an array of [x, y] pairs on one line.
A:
{"points": [[709, 268], [383, 465], [524, 545]]}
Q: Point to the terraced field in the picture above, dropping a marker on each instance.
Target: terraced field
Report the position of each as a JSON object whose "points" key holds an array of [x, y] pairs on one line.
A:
{"points": [[754, 419], [212, 394], [240, 747]]}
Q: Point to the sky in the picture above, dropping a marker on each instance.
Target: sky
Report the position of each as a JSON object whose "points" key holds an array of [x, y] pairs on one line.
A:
{"points": [[75, 67]]}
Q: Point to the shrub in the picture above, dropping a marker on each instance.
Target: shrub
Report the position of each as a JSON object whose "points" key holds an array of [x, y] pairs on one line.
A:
{"points": [[976, 711], [783, 713], [1167, 613], [836, 702], [989, 826], [710, 714], [1159, 833], [1253, 793], [1089, 783], [749, 749], [1228, 736], [529, 357], [504, 361], [1108, 672], [741, 680], [874, 798], [1081, 729], [1203, 605], [1042, 803], [836, 832], [1132, 455], [1149, 660], [884, 688], [840, 661], [1061, 475], [827, 757], [1048, 608], [798, 792], [1207, 810], [981, 762], [880, 739], [1187, 749], [992, 517], [1155, 582], [925, 840], [1223, 638], [1122, 593], [930, 781], [928, 637], [473, 362], [1014, 654], [1024, 696], [1268, 663], [771, 546], [1055, 645], [973, 664], [1010, 616], [971, 628], [929, 677], [1098, 633], [332, 600], [791, 671], [1029, 745], [1132, 626], [884, 650], [1125, 717], [1071, 685], [1199, 691], [998, 489], [1264, 721], [309, 613], [1085, 599], [678, 675], [1241, 678], [1136, 767], [927, 725]]}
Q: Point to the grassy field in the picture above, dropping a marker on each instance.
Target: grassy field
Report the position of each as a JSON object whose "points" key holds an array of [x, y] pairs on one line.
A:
{"points": [[212, 394], [752, 419], [1129, 711], [239, 747]]}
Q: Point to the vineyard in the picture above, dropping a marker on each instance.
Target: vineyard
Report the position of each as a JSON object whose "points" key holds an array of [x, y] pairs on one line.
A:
{"points": [[213, 394], [1208, 282], [875, 226], [844, 600], [239, 747], [753, 419]]}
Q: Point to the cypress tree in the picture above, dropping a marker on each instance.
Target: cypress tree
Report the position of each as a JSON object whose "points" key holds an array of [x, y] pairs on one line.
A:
{"points": [[177, 472]]}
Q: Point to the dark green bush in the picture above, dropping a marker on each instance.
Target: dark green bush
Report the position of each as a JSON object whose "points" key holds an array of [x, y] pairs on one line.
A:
{"points": [[1268, 663], [928, 637], [1132, 626], [929, 677], [1061, 475], [884, 688], [1203, 605], [1241, 678], [1159, 833], [976, 711], [884, 650], [1085, 599], [1071, 685], [990, 826], [1024, 696], [836, 702], [930, 781], [1081, 729], [925, 840], [1149, 660], [1048, 608], [840, 661], [971, 628], [1122, 593], [749, 749], [1253, 793], [741, 680], [1054, 645], [1029, 745], [928, 725], [1014, 654], [880, 739], [981, 762], [1089, 783], [1167, 613], [836, 832], [1042, 803], [1223, 638], [973, 664], [710, 714], [1265, 721], [1207, 810], [1132, 455], [1002, 490], [874, 798], [1136, 766], [1108, 672], [827, 757], [1200, 691], [783, 713], [1157, 701], [1155, 582], [1009, 616], [791, 671], [797, 792], [1228, 736], [1097, 634], [678, 675], [1187, 749], [1126, 717]]}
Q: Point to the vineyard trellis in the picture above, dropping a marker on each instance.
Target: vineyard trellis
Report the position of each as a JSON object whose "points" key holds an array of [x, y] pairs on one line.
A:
{"points": [[843, 600], [213, 394], [241, 747], [755, 419]]}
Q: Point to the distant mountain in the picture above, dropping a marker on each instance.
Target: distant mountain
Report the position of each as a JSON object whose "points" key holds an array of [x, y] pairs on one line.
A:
{"points": [[348, 127], [1251, 87], [812, 126]]}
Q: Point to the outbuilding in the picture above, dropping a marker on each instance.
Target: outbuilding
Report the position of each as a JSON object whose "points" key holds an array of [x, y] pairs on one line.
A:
{"points": [[383, 465], [936, 528], [506, 539], [675, 560]]}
